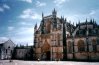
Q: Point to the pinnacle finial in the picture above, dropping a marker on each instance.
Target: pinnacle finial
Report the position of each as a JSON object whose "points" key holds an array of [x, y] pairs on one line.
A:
{"points": [[90, 20], [79, 21], [86, 20], [54, 10], [73, 23], [61, 17], [93, 20], [35, 25], [42, 15], [65, 20]]}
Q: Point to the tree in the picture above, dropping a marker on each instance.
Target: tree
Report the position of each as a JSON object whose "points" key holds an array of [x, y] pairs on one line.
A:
{"points": [[14, 53], [29, 54], [64, 42]]}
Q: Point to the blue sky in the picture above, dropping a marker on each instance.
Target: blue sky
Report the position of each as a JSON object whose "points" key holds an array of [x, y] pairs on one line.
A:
{"points": [[18, 17]]}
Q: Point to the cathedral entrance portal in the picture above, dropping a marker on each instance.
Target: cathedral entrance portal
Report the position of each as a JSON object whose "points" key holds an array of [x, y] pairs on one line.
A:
{"points": [[48, 55], [46, 51]]}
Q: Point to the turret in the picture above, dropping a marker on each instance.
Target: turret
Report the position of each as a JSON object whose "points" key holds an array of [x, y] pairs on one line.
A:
{"points": [[86, 21], [91, 20], [65, 20], [87, 33], [73, 24], [70, 27], [42, 15], [35, 28], [79, 24], [54, 13], [42, 26]]}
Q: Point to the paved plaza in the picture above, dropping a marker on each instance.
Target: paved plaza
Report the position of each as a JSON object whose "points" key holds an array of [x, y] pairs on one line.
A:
{"points": [[19, 62]]}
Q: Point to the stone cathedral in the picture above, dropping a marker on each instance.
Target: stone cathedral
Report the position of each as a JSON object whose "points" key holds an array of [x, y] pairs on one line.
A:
{"points": [[82, 39]]}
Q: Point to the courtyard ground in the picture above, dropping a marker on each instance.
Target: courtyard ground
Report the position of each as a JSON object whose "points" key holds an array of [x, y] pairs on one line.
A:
{"points": [[20, 62]]}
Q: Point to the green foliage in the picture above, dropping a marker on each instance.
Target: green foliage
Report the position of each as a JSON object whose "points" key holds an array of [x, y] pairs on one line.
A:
{"points": [[14, 53], [29, 54]]}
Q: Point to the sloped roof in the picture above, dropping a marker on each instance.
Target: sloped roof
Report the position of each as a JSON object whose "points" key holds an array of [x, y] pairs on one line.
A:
{"points": [[2, 41]]}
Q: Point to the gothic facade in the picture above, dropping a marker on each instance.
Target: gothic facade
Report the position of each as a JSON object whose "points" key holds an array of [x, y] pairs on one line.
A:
{"points": [[84, 42], [81, 41]]}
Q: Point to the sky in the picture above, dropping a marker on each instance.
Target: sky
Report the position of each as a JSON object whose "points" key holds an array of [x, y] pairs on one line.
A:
{"points": [[18, 17]]}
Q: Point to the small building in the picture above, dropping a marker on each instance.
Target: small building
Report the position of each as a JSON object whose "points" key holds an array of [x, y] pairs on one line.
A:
{"points": [[21, 53], [6, 49], [24, 53]]}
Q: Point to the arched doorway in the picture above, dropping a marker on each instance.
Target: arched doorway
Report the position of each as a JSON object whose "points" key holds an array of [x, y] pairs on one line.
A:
{"points": [[81, 46], [94, 45], [46, 54]]}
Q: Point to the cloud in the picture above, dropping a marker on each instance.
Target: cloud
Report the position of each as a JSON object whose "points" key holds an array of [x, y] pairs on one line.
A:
{"points": [[24, 35], [40, 4], [21, 35], [29, 14], [26, 30], [80, 17], [6, 6], [10, 28], [92, 12], [28, 1], [60, 2], [1, 9], [25, 23], [3, 39]]}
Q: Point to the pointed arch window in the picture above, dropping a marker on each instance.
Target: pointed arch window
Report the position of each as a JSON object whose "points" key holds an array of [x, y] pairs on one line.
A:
{"points": [[58, 39], [81, 46], [94, 42], [70, 46], [97, 41]]}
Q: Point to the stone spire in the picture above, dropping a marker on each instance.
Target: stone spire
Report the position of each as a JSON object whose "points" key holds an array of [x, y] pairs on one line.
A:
{"points": [[91, 20], [42, 15], [79, 25], [54, 12], [35, 28], [87, 27], [65, 20], [73, 24], [86, 21]]}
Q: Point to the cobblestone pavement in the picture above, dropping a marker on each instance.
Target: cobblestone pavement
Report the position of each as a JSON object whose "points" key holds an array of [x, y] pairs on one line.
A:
{"points": [[19, 62]]}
